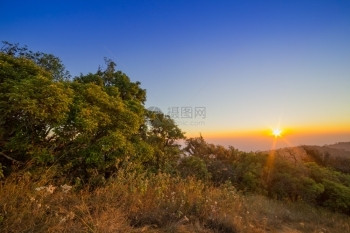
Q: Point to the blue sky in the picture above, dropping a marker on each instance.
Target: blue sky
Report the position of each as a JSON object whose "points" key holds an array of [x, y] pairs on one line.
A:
{"points": [[252, 64]]}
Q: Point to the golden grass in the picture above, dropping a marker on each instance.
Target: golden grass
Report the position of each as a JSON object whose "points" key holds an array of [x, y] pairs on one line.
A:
{"points": [[153, 203]]}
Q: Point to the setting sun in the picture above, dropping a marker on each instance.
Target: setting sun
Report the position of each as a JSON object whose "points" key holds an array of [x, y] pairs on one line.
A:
{"points": [[277, 132]]}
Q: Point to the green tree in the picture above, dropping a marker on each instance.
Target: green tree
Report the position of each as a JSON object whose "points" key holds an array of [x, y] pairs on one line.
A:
{"points": [[85, 126], [104, 124], [193, 166], [310, 191], [336, 196], [48, 62], [32, 106], [163, 134], [197, 147], [248, 171]]}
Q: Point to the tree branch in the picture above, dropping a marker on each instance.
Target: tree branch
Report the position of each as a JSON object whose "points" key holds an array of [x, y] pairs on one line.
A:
{"points": [[9, 158]]}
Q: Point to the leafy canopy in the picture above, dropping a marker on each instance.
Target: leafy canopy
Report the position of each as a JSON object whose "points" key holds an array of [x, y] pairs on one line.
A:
{"points": [[83, 125]]}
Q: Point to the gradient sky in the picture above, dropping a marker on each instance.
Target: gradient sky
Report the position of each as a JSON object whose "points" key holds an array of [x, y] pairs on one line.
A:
{"points": [[253, 65]]}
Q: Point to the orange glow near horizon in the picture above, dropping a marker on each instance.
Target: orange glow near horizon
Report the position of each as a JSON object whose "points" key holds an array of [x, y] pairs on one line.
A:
{"points": [[260, 139], [269, 131]]}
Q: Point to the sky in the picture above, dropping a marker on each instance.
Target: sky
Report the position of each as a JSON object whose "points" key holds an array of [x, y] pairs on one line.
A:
{"points": [[228, 70]]}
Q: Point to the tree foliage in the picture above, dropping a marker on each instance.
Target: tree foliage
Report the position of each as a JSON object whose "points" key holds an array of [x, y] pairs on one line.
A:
{"points": [[32, 104], [48, 62], [85, 125], [164, 135]]}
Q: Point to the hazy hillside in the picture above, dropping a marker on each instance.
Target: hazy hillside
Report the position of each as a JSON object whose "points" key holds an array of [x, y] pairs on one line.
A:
{"points": [[340, 146], [341, 150], [335, 155]]}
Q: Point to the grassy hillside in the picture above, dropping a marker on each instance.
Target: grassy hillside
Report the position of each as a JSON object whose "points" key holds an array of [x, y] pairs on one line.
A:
{"points": [[152, 203]]}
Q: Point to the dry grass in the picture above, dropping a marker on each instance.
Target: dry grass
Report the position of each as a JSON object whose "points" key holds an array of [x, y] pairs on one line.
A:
{"points": [[153, 203], [294, 217]]}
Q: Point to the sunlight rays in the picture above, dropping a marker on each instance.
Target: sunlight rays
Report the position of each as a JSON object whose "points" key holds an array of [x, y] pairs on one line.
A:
{"points": [[277, 132]]}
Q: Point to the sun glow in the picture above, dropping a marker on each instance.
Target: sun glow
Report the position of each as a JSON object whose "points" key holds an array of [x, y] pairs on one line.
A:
{"points": [[277, 132]]}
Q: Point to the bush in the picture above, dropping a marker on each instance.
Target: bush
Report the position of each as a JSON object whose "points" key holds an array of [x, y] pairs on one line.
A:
{"points": [[193, 166], [336, 196]]}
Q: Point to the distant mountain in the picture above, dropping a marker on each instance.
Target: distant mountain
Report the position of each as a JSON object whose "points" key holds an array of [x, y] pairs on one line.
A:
{"points": [[340, 146], [336, 155]]}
